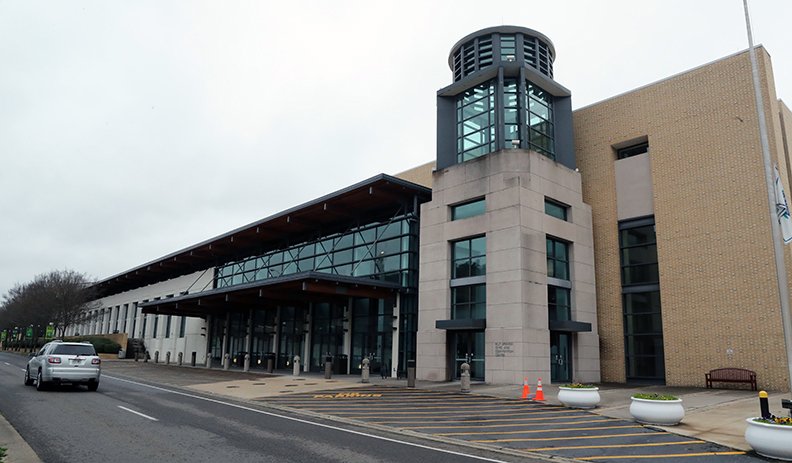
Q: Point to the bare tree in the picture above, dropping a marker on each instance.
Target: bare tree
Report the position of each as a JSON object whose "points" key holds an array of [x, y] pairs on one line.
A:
{"points": [[59, 297]]}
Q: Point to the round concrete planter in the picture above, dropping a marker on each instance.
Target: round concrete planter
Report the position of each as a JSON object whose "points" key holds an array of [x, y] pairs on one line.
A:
{"points": [[579, 397], [769, 440], [660, 412]]}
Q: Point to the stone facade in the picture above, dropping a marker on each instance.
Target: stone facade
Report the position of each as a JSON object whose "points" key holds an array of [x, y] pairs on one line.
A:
{"points": [[514, 184]]}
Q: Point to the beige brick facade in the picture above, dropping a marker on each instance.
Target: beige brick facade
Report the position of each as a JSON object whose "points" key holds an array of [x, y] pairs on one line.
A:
{"points": [[717, 275]]}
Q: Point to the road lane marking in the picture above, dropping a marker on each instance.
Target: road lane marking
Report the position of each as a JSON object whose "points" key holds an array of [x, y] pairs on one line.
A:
{"points": [[138, 413], [7, 363], [299, 420]]}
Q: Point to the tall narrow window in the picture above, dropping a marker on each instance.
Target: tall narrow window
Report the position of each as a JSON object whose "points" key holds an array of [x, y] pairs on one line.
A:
{"points": [[643, 327], [168, 320], [182, 326], [476, 122], [469, 258], [539, 112], [557, 259]]}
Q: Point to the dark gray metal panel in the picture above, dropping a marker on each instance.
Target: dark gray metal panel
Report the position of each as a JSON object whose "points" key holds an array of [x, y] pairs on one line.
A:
{"points": [[496, 31], [464, 324], [569, 326], [446, 132], [564, 136], [469, 82]]}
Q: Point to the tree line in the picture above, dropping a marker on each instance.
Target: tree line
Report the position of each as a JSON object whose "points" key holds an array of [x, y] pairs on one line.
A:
{"points": [[59, 298]]}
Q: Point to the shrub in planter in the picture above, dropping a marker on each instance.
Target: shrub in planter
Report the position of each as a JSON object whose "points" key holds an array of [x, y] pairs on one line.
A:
{"points": [[577, 395], [660, 409], [770, 437]]}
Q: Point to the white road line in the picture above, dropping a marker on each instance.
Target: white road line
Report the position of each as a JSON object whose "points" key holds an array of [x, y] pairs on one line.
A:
{"points": [[350, 431], [7, 363], [138, 413]]}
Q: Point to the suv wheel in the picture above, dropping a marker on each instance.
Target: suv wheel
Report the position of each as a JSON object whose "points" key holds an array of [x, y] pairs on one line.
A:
{"points": [[28, 379], [93, 385], [39, 382]]}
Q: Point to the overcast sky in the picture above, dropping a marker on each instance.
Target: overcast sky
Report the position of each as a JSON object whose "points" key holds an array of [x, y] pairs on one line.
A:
{"points": [[129, 130]]}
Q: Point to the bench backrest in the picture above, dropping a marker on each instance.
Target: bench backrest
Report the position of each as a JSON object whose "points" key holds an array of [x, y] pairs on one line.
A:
{"points": [[732, 373]]}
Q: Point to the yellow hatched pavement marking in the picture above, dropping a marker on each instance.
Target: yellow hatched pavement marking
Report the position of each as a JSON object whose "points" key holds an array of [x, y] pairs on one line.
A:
{"points": [[668, 455], [340, 403], [389, 412], [498, 420], [532, 431], [544, 422], [613, 446], [534, 439]]}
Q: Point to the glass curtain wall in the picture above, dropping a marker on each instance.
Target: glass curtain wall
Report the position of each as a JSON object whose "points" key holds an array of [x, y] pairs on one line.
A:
{"points": [[372, 334], [559, 305], [476, 122], [292, 335], [327, 336]]}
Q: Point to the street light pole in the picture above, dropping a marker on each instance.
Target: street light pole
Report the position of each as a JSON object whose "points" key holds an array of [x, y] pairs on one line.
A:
{"points": [[778, 250]]}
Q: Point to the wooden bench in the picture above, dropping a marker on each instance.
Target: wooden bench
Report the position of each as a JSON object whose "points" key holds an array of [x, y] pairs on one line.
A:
{"points": [[731, 375]]}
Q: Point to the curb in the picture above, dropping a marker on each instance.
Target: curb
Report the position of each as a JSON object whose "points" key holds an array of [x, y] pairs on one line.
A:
{"points": [[17, 450]]}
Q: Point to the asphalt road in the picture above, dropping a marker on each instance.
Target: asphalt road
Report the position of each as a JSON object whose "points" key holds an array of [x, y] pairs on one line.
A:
{"points": [[129, 421]]}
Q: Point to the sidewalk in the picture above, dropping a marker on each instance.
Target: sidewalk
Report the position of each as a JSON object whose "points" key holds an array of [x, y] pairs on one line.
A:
{"points": [[17, 450]]}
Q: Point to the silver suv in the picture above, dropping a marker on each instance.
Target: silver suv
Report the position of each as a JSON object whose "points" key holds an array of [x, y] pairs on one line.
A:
{"points": [[64, 363]]}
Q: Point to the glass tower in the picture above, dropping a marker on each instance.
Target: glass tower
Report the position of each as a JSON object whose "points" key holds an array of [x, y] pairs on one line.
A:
{"points": [[503, 97]]}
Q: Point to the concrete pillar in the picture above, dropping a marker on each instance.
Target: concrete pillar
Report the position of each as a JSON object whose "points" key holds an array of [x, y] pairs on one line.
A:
{"points": [[296, 370], [364, 373], [208, 337], [395, 343], [224, 347], [248, 340], [307, 344], [465, 378]]}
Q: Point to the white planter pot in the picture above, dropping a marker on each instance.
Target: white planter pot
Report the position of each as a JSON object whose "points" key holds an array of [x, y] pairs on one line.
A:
{"points": [[575, 397], [660, 412], [770, 440]]}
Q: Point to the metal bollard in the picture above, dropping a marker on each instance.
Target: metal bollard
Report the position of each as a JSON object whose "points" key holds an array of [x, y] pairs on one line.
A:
{"points": [[181, 358], [246, 364], [167, 358], [764, 405], [328, 367], [410, 373], [192, 361], [156, 356], [270, 365], [296, 369], [145, 357], [364, 372], [226, 361], [137, 355], [465, 378]]}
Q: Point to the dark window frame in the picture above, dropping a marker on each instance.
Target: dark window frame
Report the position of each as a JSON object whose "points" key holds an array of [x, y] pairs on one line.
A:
{"points": [[632, 150]]}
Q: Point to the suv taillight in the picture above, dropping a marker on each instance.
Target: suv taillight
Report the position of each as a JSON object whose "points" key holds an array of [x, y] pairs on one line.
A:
{"points": [[96, 361], [53, 359]]}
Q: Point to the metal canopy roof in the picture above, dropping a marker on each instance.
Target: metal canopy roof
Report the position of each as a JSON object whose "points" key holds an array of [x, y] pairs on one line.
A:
{"points": [[296, 288], [371, 199]]}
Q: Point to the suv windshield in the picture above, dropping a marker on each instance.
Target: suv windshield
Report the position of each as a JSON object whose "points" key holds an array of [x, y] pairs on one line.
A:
{"points": [[74, 349]]}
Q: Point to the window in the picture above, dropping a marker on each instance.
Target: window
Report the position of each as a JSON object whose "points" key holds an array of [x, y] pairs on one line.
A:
{"points": [[469, 258], [507, 45], [639, 255], [539, 112], [182, 326], [470, 209], [558, 303], [556, 209], [476, 122], [469, 302], [156, 322], [643, 336], [168, 320], [511, 123], [633, 150], [557, 259]]}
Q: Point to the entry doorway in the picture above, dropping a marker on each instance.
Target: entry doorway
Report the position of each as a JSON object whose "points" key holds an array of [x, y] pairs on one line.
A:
{"points": [[468, 346], [560, 357]]}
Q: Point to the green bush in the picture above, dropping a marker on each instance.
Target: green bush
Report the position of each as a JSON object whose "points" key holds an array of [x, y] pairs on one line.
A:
{"points": [[102, 345], [654, 396]]}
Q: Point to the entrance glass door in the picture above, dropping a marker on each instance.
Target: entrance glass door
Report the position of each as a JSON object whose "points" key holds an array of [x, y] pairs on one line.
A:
{"points": [[560, 357], [469, 347]]}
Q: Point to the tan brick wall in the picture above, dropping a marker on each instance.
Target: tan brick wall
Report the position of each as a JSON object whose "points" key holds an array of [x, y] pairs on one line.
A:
{"points": [[422, 175], [717, 276]]}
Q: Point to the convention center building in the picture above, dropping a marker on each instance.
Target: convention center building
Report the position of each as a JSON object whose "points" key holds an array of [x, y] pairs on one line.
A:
{"points": [[627, 241]]}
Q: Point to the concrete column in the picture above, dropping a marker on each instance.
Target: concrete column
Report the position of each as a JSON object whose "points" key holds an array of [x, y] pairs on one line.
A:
{"points": [[248, 340], [224, 355], [307, 347], [395, 343], [208, 336], [348, 332], [276, 335]]}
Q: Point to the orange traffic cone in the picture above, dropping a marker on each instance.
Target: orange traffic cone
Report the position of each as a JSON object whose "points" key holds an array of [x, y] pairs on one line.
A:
{"points": [[539, 392], [526, 388]]}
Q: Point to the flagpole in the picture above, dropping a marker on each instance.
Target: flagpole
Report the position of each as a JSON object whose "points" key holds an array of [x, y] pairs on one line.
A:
{"points": [[778, 250]]}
